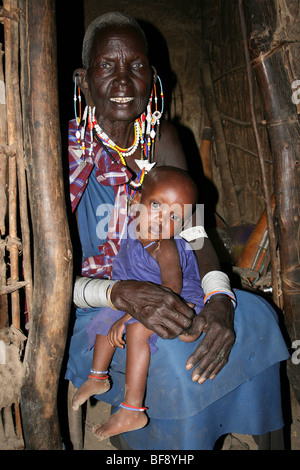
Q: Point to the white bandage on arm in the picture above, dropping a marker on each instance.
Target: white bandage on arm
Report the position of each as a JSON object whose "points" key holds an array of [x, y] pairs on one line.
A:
{"points": [[193, 233], [90, 292], [217, 282]]}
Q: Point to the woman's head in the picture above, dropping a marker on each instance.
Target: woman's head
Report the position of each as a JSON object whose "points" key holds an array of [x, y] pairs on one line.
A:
{"points": [[108, 19], [165, 203], [117, 77]]}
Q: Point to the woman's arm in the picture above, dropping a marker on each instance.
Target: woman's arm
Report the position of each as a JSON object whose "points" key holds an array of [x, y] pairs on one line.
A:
{"points": [[168, 149]]}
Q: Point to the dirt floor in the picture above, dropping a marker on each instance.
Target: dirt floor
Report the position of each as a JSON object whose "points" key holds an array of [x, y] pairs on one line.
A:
{"points": [[98, 411]]}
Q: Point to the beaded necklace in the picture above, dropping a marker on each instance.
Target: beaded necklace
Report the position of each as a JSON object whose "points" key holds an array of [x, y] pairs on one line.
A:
{"points": [[101, 135], [144, 135], [144, 130]]}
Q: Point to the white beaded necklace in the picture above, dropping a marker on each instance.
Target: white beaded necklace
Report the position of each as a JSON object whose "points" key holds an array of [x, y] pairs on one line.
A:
{"points": [[107, 140]]}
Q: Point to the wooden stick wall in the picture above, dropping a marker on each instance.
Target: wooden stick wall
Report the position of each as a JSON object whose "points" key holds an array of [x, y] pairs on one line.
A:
{"points": [[36, 253]]}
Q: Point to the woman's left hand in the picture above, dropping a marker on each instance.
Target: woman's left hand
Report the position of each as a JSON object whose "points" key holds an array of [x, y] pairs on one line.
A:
{"points": [[211, 354]]}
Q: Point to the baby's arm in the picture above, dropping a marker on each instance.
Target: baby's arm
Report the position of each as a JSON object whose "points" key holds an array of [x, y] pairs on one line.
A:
{"points": [[115, 334], [171, 273], [168, 259]]}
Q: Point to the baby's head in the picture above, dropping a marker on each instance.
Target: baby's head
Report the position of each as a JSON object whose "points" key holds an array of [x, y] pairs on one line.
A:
{"points": [[166, 202]]}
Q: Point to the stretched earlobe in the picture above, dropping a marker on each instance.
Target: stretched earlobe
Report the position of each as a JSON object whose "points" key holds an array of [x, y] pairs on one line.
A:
{"points": [[154, 74], [80, 76], [80, 79]]}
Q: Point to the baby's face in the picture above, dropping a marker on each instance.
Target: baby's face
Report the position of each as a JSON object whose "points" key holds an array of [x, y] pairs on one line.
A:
{"points": [[162, 211]]}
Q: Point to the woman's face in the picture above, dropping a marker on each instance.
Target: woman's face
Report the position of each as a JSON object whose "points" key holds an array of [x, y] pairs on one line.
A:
{"points": [[119, 76]]}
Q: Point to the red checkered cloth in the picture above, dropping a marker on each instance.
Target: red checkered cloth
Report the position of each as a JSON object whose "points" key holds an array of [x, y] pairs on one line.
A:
{"points": [[108, 173]]}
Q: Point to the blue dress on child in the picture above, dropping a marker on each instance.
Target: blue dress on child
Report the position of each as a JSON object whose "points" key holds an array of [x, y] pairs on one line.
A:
{"points": [[134, 262], [244, 398]]}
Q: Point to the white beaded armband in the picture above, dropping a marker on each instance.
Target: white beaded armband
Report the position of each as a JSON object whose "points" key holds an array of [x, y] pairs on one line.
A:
{"points": [[217, 282], [90, 292]]}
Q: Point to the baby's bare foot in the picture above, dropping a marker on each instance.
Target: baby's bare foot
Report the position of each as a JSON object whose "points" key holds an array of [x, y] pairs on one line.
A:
{"points": [[186, 338], [121, 421], [88, 389]]}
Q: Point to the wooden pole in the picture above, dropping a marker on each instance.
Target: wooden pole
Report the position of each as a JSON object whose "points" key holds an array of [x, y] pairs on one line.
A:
{"points": [[232, 206], [14, 148], [3, 196], [275, 50], [11, 69], [267, 195], [52, 251]]}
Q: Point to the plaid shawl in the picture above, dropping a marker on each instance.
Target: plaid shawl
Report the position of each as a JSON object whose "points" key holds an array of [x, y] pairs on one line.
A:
{"points": [[107, 173]]}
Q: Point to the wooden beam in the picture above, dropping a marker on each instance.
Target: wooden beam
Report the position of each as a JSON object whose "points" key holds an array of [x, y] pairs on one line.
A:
{"points": [[275, 49], [52, 253]]}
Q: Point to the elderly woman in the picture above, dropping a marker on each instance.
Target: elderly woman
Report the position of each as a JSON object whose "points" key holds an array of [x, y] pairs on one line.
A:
{"points": [[110, 147]]}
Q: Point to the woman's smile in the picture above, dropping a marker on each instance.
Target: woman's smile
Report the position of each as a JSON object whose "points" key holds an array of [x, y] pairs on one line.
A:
{"points": [[122, 99]]}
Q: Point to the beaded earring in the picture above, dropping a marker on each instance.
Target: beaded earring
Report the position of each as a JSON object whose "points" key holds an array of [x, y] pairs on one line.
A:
{"points": [[152, 118], [146, 131], [76, 87]]}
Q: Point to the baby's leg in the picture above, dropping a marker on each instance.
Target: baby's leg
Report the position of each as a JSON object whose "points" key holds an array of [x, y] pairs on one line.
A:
{"points": [[98, 381], [133, 415]]}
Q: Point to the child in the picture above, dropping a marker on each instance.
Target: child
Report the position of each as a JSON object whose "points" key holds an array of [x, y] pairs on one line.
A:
{"points": [[150, 253]]}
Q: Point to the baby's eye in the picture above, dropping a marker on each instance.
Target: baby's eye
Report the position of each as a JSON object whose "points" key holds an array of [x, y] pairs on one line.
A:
{"points": [[155, 205], [175, 217]]}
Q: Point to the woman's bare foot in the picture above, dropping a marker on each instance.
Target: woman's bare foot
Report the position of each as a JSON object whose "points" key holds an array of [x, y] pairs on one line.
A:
{"points": [[121, 421], [88, 389]]}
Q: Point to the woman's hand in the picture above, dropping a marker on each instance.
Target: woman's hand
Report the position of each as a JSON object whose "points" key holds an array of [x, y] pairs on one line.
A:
{"points": [[156, 307], [162, 311], [211, 354]]}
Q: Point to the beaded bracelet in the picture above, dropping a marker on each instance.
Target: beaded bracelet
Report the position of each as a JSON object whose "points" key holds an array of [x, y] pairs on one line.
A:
{"points": [[217, 282], [229, 294]]}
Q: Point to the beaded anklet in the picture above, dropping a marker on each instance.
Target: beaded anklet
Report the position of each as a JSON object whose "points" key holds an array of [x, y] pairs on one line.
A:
{"points": [[132, 408], [90, 376]]}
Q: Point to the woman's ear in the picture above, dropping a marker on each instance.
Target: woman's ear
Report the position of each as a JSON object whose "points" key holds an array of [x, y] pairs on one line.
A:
{"points": [[154, 74], [80, 76], [81, 79]]}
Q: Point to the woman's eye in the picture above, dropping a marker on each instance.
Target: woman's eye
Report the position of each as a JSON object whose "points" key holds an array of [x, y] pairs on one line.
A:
{"points": [[137, 65], [105, 65]]}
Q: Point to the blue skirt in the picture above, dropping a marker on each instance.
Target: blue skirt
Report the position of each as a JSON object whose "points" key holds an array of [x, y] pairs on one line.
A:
{"points": [[243, 398]]}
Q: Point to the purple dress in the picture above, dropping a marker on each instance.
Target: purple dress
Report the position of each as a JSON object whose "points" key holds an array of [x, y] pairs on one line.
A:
{"points": [[134, 262]]}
